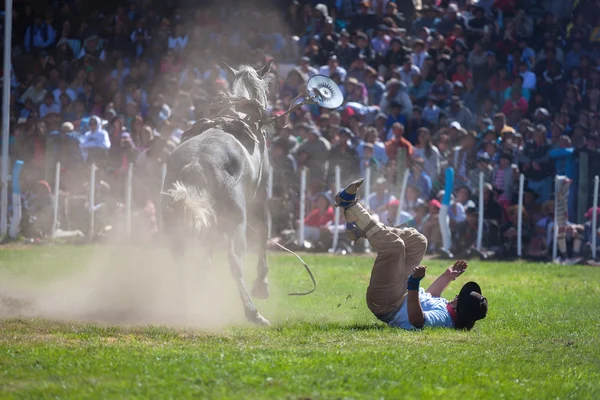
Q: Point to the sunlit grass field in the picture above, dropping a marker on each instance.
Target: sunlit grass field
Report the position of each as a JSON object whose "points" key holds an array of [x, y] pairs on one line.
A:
{"points": [[541, 340]]}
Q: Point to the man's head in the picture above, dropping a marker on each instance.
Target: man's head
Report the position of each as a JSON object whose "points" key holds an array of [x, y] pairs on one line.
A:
{"points": [[472, 214], [398, 129], [499, 121], [470, 306]]}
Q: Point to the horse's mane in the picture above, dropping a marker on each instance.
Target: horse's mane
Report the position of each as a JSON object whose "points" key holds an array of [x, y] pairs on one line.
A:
{"points": [[248, 84]]}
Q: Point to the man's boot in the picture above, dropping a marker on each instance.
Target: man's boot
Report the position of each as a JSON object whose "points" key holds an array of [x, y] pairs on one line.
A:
{"points": [[359, 222]]}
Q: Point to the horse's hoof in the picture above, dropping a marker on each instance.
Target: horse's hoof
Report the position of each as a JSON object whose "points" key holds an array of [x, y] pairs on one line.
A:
{"points": [[260, 290], [260, 320]]}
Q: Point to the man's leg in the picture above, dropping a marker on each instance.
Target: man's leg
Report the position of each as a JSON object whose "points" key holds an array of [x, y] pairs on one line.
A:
{"points": [[399, 251]]}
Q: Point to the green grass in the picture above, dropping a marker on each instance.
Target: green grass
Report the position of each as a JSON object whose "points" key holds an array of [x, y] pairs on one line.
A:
{"points": [[541, 340]]}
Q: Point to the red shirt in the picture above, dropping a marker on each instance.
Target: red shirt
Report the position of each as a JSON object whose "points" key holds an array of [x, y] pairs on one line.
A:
{"points": [[316, 219], [510, 105], [392, 146]]}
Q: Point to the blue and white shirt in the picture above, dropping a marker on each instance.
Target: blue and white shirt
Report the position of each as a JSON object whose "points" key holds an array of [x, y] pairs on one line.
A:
{"points": [[434, 310]]}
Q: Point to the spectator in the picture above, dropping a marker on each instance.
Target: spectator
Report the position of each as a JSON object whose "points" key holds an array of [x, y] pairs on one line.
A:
{"points": [[316, 221], [39, 36], [427, 154]]}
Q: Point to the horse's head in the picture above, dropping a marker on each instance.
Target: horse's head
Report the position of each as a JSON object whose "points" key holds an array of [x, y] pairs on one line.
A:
{"points": [[250, 83]]}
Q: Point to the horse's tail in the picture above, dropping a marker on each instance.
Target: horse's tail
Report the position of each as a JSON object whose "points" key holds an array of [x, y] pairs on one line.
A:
{"points": [[194, 203]]}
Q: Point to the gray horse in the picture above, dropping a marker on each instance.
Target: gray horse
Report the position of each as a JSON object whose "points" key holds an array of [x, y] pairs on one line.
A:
{"points": [[216, 184]]}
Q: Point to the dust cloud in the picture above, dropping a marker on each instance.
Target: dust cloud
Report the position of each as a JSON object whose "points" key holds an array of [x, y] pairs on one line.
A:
{"points": [[132, 286]]}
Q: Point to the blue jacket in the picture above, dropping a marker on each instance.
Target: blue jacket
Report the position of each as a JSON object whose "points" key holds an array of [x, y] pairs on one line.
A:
{"points": [[566, 162]]}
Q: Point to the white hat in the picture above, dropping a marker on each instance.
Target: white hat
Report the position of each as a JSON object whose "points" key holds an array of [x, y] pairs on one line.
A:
{"points": [[455, 125]]}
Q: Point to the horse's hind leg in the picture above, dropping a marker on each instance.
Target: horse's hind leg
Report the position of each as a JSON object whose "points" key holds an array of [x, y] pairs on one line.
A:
{"points": [[260, 290], [237, 250]]}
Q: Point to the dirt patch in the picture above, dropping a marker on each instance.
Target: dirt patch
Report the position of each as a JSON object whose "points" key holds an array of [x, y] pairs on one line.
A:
{"points": [[132, 286]]}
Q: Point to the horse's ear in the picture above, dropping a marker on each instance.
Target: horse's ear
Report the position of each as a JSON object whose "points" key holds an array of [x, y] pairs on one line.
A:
{"points": [[230, 70], [265, 69]]}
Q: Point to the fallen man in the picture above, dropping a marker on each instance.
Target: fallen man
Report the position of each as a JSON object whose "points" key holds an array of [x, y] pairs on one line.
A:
{"points": [[393, 294]]}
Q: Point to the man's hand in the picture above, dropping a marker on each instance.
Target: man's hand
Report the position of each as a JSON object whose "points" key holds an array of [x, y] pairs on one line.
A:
{"points": [[419, 272], [456, 270]]}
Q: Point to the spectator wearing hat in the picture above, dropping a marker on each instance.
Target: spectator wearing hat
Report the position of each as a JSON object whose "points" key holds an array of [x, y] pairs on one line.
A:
{"points": [[504, 176], [359, 69], [431, 112], [429, 14], [408, 70], [500, 126], [457, 111], [39, 36], [419, 91], [536, 164], [375, 88], [96, 142], [379, 151], [394, 57], [450, 19], [441, 89], [483, 165], [365, 20], [381, 41], [332, 67], [396, 101], [317, 147], [345, 50], [305, 68], [343, 154]]}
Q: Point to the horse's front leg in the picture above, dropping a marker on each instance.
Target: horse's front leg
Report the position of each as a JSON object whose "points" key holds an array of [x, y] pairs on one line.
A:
{"points": [[260, 289], [237, 250]]}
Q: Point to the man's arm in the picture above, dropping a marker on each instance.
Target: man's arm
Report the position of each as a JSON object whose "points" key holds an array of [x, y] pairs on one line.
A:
{"points": [[450, 274], [415, 312]]}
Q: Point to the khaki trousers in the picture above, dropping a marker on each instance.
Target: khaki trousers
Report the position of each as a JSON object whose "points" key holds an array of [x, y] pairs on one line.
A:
{"points": [[399, 251]]}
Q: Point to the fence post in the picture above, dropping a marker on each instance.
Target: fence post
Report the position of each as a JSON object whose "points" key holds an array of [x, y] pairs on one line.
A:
{"points": [[163, 176], [302, 212], [92, 200], [15, 222], [128, 198], [269, 197], [336, 220], [401, 198], [520, 216], [481, 211], [367, 196], [443, 216], [583, 187], [555, 230], [56, 198], [595, 217]]}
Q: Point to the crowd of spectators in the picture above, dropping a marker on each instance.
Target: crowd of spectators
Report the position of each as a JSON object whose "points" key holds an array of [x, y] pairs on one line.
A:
{"points": [[503, 87]]}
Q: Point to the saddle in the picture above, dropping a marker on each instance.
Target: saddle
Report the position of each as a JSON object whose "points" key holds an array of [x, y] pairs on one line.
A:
{"points": [[229, 118]]}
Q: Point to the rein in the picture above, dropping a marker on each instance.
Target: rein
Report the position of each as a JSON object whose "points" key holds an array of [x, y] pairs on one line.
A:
{"points": [[310, 274]]}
